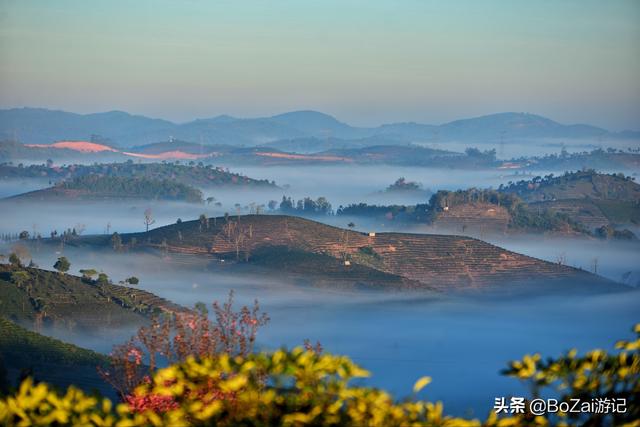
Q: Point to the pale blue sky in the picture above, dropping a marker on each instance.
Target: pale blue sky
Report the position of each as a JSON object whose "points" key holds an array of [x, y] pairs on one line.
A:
{"points": [[365, 62]]}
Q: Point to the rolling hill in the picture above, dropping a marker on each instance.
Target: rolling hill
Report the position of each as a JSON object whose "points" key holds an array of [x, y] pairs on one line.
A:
{"points": [[591, 198], [68, 301], [49, 359], [191, 175], [98, 187], [586, 184], [446, 263]]}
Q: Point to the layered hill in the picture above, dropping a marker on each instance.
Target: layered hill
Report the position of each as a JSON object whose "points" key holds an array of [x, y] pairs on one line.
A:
{"points": [[429, 261], [99, 187], [42, 297], [477, 217], [592, 199], [587, 184], [41, 126], [194, 174], [48, 359]]}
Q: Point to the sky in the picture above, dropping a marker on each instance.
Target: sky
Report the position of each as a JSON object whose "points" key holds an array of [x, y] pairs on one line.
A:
{"points": [[366, 62]]}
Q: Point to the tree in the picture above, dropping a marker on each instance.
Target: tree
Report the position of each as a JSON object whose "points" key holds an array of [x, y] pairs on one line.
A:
{"points": [[24, 235], [116, 241], [62, 265], [14, 260], [88, 274], [133, 280], [204, 222], [20, 277], [21, 251], [148, 218], [103, 279]]}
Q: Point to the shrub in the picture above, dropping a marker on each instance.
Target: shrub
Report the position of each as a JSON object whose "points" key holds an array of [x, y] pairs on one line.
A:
{"points": [[172, 339], [302, 387], [62, 265]]}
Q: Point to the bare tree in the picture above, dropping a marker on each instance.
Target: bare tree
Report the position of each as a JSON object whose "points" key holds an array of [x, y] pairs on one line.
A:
{"points": [[240, 237], [561, 258], [21, 251], [148, 218], [80, 228]]}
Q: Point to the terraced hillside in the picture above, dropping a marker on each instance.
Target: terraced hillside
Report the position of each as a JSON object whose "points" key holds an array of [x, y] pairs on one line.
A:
{"points": [[583, 211], [431, 261], [49, 359], [587, 197], [46, 298], [577, 185], [476, 218]]}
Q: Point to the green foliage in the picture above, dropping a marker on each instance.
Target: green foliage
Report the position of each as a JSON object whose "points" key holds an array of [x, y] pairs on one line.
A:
{"points": [[577, 185], [608, 232], [390, 212], [134, 187], [75, 302], [402, 184], [19, 346], [198, 175], [595, 375], [103, 279], [20, 277], [133, 280], [306, 206], [14, 260], [62, 265], [620, 211], [88, 273]]}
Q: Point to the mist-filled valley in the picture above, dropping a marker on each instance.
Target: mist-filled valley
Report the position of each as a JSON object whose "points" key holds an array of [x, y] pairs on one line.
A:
{"points": [[396, 336], [461, 340]]}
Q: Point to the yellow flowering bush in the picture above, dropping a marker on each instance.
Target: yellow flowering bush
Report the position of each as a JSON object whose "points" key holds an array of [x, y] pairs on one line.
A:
{"points": [[304, 388], [599, 377]]}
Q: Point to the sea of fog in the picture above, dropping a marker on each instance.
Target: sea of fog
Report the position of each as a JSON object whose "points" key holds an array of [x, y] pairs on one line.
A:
{"points": [[341, 185], [510, 148], [462, 343]]}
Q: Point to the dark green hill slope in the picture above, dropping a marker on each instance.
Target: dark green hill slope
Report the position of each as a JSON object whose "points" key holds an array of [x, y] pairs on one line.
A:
{"points": [[48, 359], [588, 197], [196, 174], [587, 184], [51, 299], [96, 187]]}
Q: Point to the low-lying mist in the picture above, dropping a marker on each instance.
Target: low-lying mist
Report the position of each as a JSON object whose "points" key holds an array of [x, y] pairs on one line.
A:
{"points": [[462, 342]]}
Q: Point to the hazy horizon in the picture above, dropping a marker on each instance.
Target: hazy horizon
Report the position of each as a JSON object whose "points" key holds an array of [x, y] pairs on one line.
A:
{"points": [[424, 62], [330, 114]]}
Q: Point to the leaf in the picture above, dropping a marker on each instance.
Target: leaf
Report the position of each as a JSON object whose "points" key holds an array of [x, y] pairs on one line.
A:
{"points": [[421, 383]]}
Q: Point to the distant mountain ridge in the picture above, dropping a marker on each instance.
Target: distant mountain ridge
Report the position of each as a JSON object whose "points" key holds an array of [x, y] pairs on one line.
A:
{"points": [[118, 128]]}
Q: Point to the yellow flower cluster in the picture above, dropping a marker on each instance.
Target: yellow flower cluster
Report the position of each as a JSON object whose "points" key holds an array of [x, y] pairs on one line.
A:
{"points": [[38, 405], [596, 374], [303, 388]]}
